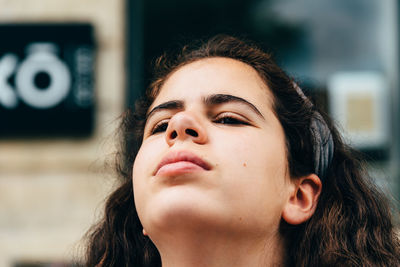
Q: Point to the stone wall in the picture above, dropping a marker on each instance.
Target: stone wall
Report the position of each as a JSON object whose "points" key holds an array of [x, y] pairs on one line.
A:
{"points": [[50, 190]]}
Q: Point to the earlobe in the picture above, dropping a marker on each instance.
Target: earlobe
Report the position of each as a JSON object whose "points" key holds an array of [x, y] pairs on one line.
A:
{"points": [[303, 199]]}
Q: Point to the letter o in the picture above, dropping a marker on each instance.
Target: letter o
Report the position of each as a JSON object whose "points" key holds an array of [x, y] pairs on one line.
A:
{"points": [[60, 80]]}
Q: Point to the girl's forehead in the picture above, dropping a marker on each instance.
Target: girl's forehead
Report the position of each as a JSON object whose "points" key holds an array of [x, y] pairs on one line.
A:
{"points": [[217, 75]]}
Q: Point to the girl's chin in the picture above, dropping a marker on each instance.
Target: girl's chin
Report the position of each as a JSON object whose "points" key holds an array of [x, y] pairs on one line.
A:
{"points": [[180, 212]]}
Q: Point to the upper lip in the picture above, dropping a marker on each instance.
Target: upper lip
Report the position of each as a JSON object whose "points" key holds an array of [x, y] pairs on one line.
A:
{"points": [[177, 156]]}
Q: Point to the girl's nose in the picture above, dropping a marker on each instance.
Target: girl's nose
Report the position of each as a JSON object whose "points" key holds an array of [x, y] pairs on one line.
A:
{"points": [[185, 125]]}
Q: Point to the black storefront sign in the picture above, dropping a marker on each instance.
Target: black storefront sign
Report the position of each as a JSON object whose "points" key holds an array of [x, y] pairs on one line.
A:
{"points": [[47, 80]]}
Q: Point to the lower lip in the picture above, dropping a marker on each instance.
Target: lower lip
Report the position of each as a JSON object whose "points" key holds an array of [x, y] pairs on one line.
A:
{"points": [[178, 168]]}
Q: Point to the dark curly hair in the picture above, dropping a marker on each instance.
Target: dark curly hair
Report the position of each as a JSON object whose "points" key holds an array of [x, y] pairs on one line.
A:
{"points": [[352, 224]]}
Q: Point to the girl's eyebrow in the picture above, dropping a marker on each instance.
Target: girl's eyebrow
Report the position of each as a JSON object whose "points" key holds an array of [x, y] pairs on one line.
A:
{"points": [[218, 99], [173, 104], [211, 100]]}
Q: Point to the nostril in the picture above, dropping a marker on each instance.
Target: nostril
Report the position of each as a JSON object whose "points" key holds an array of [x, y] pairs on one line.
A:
{"points": [[191, 132], [173, 135]]}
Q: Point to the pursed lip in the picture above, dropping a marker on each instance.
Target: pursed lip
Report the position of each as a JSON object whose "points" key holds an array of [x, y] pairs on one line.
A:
{"points": [[182, 156]]}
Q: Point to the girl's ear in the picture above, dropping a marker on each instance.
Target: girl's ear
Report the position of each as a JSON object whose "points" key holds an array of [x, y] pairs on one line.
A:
{"points": [[302, 200]]}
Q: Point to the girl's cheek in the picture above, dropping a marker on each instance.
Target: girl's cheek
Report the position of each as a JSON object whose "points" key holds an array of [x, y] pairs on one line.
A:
{"points": [[147, 156]]}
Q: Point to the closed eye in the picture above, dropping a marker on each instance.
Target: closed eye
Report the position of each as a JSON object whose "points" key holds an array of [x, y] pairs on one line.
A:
{"points": [[230, 120], [160, 127]]}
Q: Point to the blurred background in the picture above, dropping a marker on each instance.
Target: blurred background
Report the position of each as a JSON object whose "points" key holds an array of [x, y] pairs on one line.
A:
{"points": [[69, 68]]}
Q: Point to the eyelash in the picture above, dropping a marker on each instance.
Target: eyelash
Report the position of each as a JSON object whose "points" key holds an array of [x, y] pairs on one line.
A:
{"points": [[230, 120], [160, 127], [224, 119]]}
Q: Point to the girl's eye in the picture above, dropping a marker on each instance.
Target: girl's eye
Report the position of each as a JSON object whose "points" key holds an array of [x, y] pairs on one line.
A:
{"points": [[230, 120], [160, 127]]}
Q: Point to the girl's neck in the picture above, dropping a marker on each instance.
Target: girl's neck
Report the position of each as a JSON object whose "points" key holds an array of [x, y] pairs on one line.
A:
{"points": [[213, 249]]}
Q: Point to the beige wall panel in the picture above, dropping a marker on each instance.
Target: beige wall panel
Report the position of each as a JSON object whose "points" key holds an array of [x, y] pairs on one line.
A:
{"points": [[50, 190]]}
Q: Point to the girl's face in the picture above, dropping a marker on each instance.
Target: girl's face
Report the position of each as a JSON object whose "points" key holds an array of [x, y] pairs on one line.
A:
{"points": [[213, 155]]}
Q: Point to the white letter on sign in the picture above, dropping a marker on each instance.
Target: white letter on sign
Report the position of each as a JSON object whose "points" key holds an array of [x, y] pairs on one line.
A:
{"points": [[8, 98], [43, 59]]}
